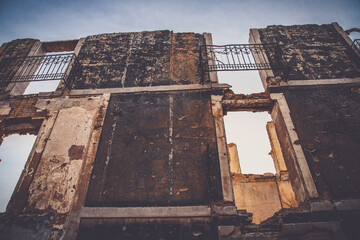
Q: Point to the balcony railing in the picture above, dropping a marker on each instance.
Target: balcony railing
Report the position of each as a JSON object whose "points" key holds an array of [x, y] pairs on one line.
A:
{"points": [[356, 45], [242, 57], [39, 68]]}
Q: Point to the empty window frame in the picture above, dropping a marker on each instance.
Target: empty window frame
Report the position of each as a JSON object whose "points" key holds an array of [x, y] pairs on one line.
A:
{"points": [[248, 131], [256, 190], [14, 152]]}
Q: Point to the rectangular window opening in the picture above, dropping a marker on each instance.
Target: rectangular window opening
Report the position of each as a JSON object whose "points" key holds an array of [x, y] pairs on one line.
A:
{"points": [[247, 130], [244, 82], [14, 153], [260, 179]]}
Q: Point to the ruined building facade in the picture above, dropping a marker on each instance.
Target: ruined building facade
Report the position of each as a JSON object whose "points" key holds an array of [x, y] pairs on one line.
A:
{"points": [[131, 144]]}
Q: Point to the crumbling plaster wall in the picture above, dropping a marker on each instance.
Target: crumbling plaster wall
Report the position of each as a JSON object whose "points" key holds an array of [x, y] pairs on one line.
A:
{"points": [[49, 184]]}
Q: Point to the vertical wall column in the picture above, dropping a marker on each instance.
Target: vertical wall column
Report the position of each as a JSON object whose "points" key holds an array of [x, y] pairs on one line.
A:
{"points": [[210, 59], [265, 75], [302, 166], [226, 183]]}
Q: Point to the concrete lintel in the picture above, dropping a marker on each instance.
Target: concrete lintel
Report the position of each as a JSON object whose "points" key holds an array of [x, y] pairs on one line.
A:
{"points": [[247, 104], [300, 156], [217, 111], [168, 88], [137, 212], [335, 81]]}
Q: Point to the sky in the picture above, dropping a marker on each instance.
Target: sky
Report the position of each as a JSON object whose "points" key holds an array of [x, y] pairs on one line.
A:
{"points": [[229, 22]]}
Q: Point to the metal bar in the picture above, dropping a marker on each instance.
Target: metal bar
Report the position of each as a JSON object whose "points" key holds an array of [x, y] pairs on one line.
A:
{"points": [[39, 68], [240, 57], [356, 45]]}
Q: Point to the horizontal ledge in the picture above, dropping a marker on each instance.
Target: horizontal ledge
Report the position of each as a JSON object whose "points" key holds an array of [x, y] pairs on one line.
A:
{"points": [[148, 89], [294, 83], [137, 212]]}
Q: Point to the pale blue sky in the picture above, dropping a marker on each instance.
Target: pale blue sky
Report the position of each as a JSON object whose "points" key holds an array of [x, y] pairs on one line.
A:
{"points": [[229, 21]]}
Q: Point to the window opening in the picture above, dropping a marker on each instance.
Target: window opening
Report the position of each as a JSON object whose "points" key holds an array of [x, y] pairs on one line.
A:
{"points": [[248, 131], [56, 65], [245, 82], [14, 152]]}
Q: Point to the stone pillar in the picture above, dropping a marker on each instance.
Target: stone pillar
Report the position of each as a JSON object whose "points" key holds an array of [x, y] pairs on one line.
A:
{"points": [[234, 159]]}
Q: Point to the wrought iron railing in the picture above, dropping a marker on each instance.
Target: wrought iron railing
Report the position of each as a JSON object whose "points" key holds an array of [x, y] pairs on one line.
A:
{"points": [[240, 57], [39, 68], [356, 45]]}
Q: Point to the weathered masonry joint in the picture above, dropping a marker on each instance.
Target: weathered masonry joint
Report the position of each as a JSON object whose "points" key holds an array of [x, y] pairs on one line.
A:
{"points": [[131, 141]]}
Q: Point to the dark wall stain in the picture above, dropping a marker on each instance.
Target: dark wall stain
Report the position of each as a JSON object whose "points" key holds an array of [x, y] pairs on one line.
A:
{"points": [[313, 51], [156, 165], [327, 120], [76, 152]]}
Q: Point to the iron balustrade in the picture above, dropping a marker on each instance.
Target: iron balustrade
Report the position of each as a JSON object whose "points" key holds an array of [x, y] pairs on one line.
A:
{"points": [[39, 68], [356, 45], [240, 57]]}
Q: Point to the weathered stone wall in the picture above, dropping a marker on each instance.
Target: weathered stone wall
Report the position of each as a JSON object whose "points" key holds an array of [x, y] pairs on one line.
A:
{"points": [[313, 51], [140, 59], [161, 147], [17, 48], [327, 121]]}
